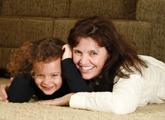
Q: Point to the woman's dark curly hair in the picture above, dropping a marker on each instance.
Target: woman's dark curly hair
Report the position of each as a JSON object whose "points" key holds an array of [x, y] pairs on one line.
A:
{"points": [[22, 60]]}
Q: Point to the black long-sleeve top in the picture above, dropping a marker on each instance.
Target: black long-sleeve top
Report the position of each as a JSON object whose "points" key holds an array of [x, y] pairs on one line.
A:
{"points": [[23, 86], [73, 78]]}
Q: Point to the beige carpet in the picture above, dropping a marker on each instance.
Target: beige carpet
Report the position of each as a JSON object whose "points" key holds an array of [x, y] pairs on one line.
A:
{"points": [[34, 111]]}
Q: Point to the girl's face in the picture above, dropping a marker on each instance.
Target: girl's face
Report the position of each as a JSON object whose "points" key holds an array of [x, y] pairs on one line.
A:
{"points": [[47, 76], [89, 57]]}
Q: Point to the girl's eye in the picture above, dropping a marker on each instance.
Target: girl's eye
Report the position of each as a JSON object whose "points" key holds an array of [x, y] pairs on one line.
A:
{"points": [[39, 76], [54, 75]]}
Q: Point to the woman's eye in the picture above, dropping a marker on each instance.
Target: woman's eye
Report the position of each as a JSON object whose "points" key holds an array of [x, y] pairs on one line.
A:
{"points": [[77, 52], [93, 53]]}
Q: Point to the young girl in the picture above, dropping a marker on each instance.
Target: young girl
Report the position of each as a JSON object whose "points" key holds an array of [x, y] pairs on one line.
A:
{"points": [[36, 69], [120, 79]]}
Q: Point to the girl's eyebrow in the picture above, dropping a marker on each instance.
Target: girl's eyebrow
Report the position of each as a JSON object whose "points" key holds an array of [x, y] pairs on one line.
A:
{"points": [[53, 72], [48, 73]]}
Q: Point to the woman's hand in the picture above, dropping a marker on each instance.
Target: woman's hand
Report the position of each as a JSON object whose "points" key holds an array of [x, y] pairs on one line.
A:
{"points": [[67, 52], [3, 90], [62, 101]]}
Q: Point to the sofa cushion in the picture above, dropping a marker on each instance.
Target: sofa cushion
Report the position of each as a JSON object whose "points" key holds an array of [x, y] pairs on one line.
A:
{"points": [[112, 8], [151, 10], [44, 8], [69, 8], [5, 55], [14, 31]]}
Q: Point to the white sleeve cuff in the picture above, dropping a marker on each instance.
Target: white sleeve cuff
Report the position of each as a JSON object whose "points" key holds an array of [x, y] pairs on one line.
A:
{"points": [[78, 100]]}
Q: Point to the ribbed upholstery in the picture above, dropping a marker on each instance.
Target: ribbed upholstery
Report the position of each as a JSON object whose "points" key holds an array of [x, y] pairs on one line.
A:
{"points": [[4, 55], [137, 33], [151, 10], [113, 8], [69, 8], [158, 42], [13, 31], [154, 12], [39, 8], [62, 27]]}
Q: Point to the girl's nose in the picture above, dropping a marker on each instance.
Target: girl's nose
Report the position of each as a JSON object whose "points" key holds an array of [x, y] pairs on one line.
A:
{"points": [[46, 80]]}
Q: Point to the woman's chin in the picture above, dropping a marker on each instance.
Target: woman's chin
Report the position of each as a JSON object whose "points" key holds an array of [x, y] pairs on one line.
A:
{"points": [[87, 77]]}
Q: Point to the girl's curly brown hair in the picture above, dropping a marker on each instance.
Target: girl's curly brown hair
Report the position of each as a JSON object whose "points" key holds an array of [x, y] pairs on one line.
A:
{"points": [[22, 60]]}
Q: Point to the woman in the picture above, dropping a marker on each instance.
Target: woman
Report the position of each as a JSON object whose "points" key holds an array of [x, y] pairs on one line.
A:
{"points": [[120, 79]]}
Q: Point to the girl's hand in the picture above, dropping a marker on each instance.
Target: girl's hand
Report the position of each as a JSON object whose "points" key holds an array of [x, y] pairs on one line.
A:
{"points": [[67, 52], [62, 101]]}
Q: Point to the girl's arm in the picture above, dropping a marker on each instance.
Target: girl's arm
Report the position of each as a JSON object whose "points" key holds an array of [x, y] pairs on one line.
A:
{"points": [[71, 74], [73, 78], [20, 89]]}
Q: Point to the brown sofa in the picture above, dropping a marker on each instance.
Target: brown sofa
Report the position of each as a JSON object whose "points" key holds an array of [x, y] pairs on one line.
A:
{"points": [[141, 22]]}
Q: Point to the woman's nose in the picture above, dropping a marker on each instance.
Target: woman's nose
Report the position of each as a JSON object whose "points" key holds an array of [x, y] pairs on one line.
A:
{"points": [[84, 60]]}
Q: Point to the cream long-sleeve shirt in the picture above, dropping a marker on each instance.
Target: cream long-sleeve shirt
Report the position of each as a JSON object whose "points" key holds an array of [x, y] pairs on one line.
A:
{"points": [[127, 94]]}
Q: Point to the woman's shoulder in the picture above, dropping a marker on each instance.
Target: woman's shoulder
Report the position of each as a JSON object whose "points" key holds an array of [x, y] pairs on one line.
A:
{"points": [[151, 61]]}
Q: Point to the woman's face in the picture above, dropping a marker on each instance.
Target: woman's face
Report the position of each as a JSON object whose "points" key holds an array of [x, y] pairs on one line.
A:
{"points": [[47, 76], [89, 57]]}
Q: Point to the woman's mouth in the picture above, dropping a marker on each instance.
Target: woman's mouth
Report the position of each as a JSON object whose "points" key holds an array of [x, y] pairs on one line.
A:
{"points": [[86, 69]]}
